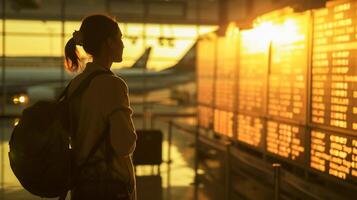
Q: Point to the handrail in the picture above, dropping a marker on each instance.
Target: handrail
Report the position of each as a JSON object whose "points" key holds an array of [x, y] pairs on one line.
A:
{"points": [[281, 175]]}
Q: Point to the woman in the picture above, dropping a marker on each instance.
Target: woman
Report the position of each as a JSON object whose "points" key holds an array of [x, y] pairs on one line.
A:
{"points": [[109, 173]]}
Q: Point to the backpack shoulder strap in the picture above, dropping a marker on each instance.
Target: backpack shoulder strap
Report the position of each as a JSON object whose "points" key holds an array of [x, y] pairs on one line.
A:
{"points": [[105, 133], [64, 92], [82, 86]]}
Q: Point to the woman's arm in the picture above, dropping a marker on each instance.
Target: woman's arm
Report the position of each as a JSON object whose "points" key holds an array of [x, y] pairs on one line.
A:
{"points": [[116, 109], [123, 136]]}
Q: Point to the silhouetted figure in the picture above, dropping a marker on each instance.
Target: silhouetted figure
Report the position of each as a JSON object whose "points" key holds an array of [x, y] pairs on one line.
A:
{"points": [[103, 106]]}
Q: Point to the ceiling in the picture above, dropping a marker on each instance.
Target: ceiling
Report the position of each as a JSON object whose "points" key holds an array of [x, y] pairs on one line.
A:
{"points": [[211, 12], [140, 11]]}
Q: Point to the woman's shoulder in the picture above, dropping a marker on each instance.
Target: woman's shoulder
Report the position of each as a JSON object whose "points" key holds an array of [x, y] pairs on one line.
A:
{"points": [[110, 81], [108, 92]]}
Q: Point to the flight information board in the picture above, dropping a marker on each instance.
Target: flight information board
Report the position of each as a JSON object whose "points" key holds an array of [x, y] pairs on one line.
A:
{"points": [[286, 140], [206, 52], [253, 63], [334, 74], [250, 130], [278, 63], [205, 90], [223, 122], [205, 116], [253, 69], [224, 93], [334, 154], [287, 77], [226, 73]]}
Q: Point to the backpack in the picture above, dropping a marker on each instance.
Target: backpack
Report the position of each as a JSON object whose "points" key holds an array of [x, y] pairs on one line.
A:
{"points": [[40, 152]]}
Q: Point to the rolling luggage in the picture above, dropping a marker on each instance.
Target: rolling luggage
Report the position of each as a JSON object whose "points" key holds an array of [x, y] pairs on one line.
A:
{"points": [[148, 149]]}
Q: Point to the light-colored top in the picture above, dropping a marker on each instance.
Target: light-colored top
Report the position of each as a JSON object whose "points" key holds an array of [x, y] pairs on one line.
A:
{"points": [[105, 99]]}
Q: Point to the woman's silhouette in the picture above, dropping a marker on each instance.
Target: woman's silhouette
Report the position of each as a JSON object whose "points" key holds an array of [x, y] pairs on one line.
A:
{"points": [[109, 173]]}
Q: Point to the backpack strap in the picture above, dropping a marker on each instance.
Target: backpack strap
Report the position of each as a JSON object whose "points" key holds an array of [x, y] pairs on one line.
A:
{"points": [[64, 92], [82, 86], [96, 146], [94, 149]]}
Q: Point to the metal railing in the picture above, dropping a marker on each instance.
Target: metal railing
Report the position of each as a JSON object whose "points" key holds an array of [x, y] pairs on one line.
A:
{"points": [[275, 170]]}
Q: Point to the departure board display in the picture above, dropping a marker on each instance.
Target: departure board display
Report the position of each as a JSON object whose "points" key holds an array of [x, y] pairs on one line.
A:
{"points": [[223, 122], [286, 140], [250, 130], [205, 116], [334, 74], [334, 154], [206, 52], [205, 90], [287, 87], [288, 67], [253, 69], [224, 93], [252, 78], [226, 72]]}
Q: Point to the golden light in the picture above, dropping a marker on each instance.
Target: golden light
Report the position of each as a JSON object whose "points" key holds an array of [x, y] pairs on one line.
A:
{"points": [[257, 39], [232, 30], [16, 121], [21, 99], [287, 31]]}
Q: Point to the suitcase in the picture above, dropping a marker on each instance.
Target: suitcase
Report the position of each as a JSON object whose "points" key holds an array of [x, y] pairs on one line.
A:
{"points": [[148, 149]]}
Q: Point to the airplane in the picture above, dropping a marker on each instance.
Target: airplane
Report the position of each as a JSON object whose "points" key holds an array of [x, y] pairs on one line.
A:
{"points": [[38, 78], [184, 71], [28, 84]]}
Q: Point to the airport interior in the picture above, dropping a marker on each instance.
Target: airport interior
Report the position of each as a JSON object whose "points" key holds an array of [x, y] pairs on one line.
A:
{"points": [[231, 99]]}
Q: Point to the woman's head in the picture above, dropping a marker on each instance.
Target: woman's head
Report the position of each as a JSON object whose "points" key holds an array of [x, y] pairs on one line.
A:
{"points": [[100, 36]]}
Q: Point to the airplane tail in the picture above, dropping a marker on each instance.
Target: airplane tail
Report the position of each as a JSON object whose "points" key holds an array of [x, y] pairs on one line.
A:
{"points": [[187, 62], [141, 63]]}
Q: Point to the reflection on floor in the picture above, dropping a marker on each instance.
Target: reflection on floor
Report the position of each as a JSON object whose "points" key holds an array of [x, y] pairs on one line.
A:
{"points": [[175, 181]]}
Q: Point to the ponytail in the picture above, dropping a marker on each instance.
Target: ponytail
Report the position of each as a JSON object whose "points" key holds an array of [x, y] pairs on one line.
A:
{"points": [[71, 57], [94, 30]]}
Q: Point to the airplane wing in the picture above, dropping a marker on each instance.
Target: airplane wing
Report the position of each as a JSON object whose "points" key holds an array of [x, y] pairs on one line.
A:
{"points": [[186, 63], [141, 63]]}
